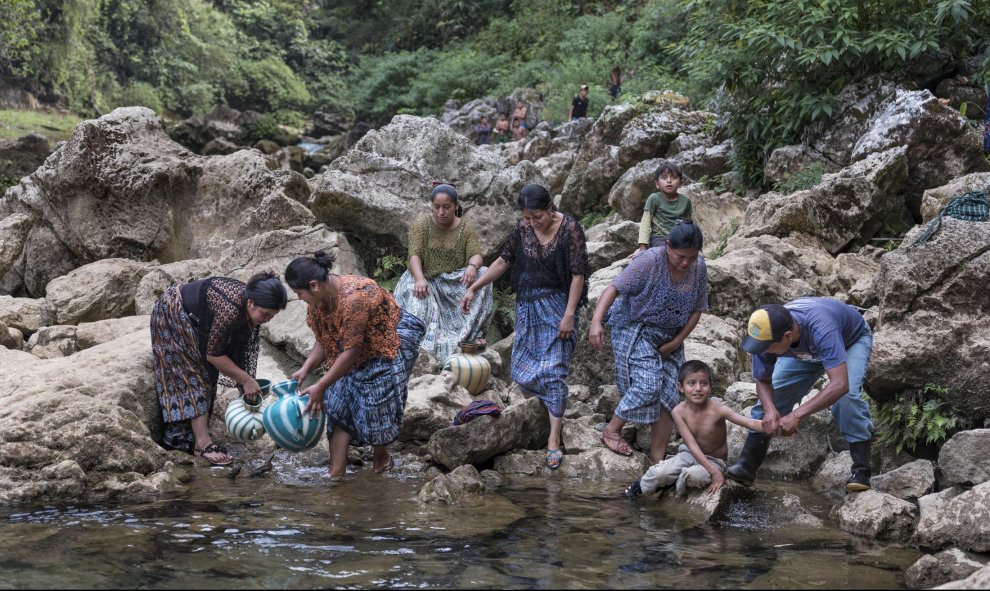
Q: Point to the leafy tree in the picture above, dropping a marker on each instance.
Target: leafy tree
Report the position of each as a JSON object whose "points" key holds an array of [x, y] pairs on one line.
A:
{"points": [[780, 65]]}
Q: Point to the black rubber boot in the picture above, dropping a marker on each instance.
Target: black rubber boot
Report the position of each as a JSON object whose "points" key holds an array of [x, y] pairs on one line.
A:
{"points": [[860, 479], [753, 453]]}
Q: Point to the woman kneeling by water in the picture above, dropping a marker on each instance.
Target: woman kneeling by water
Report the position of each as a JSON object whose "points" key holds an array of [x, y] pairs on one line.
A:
{"points": [[368, 345], [549, 262], [198, 331], [444, 258]]}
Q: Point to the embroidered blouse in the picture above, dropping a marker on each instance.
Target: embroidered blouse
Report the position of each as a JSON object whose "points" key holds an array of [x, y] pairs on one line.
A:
{"points": [[365, 315], [537, 267], [649, 294], [442, 251]]}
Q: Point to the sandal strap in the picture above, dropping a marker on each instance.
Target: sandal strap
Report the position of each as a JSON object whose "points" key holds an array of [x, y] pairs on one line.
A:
{"points": [[213, 448]]}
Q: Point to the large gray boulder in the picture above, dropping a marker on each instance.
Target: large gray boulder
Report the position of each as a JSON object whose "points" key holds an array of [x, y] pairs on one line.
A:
{"points": [[160, 277], [22, 156], [609, 241], [379, 187], [910, 481], [927, 300], [288, 330], [877, 515], [273, 251], [965, 458], [24, 314], [79, 427], [96, 291], [520, 426], [121, 188], [745, 278], [934, 199], [789, 458], [962, 521], [623, 136], [845, 208], [936, 569], [978, 580], [432, 403]]}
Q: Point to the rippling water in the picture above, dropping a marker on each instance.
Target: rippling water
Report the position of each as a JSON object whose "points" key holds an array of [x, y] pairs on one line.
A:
{"points": [[293, 528]]}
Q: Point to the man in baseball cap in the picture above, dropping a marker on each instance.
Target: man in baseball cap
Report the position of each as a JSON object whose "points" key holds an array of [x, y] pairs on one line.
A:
{"points": [[792, 346]]}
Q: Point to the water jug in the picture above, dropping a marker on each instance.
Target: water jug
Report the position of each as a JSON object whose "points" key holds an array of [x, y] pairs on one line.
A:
{"points": [[287, 424], [244, 420], [469, 369]]}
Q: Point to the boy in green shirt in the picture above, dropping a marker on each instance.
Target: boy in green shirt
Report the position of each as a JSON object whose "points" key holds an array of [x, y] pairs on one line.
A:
{"points": [[663, 209]]}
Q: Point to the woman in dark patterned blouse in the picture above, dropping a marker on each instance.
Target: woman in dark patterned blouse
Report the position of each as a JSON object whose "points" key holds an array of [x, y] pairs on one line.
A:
{"points": [[198, 331], [368, 345], [549, 262]]}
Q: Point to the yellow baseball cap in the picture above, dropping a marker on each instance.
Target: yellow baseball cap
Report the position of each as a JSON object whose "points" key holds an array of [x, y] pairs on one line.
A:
{"points": [[767, 325]]}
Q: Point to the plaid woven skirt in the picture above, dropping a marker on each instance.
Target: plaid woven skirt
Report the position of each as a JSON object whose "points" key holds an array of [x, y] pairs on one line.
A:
{"points": [[182, 381], [645, 380], [440, 310], [369, 401], [540, 360]]}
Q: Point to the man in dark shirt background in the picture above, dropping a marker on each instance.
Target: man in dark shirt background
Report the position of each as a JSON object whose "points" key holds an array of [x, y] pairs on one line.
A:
{"points": [[579, 106]]}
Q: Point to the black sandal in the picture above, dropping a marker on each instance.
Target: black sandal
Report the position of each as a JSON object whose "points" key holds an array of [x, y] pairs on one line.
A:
{"points": [[213, 448]]}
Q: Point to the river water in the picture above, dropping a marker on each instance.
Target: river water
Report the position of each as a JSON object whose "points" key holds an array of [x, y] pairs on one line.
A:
{"points": [[293, 528]]}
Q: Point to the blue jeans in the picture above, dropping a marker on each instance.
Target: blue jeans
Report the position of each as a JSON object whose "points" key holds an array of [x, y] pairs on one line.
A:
{"points": [[793, 379]]}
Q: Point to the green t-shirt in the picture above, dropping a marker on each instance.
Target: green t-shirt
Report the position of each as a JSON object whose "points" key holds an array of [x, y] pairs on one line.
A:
{"points": [[660, 214]]}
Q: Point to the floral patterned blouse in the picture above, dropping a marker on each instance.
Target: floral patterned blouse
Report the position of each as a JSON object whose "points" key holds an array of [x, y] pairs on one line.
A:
{"points": [[365, 315]]}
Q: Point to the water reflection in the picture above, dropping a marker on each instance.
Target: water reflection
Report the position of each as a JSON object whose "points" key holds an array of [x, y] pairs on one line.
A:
{"points": [[370, 531]]}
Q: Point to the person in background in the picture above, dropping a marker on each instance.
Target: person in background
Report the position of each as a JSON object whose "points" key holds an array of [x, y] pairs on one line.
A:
{"points": [[700, 460], [368, 345], [615, 82], [444, 258], [483, 130], [502, 132], [579, 106], [520, 114], [200, 330], [549, 260], [663, 209], [518, 130], [658, 300]]}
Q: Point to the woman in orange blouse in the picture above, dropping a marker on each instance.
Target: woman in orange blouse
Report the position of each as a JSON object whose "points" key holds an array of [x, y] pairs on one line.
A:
{"points": [[368, 345]]}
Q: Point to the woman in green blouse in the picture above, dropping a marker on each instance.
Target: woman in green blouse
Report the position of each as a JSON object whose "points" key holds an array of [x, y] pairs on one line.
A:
{"points": [[444, 258]]}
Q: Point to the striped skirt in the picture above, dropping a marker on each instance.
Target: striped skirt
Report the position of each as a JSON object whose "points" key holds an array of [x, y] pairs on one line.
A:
{"points": [[540, 360], [369, 401], [645, 380], [184, 384], [440, 311]]}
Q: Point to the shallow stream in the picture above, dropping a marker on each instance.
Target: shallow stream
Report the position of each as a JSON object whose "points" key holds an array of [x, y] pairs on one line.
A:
{"points": [[293, 528]]}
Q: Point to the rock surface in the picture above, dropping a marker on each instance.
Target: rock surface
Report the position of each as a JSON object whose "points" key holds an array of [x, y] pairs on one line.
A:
{"points": [[965, 458], [877, 515]]}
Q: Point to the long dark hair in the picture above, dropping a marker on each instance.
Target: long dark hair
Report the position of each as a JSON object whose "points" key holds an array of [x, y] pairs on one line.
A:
{"points": [[534, 196], [266, 290], [685, 234], [302, 270], [449, 191]]}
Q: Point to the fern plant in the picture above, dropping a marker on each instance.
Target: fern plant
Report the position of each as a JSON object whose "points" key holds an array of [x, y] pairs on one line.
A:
{"points": [[387, 271], [914, 420]]}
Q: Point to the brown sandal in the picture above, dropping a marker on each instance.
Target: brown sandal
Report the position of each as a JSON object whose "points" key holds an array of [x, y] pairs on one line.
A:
{"points": [[616, 444]]}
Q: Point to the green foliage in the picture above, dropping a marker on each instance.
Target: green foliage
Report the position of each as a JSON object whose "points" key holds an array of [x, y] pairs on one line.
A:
{"points": [[503, 320], [6, 182], [56, 126], [805, 178], [387, 271], [595, 215], [265, 127], [779, 65], [139, 94], [18, 36], [267, 84], [913, 420]]}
